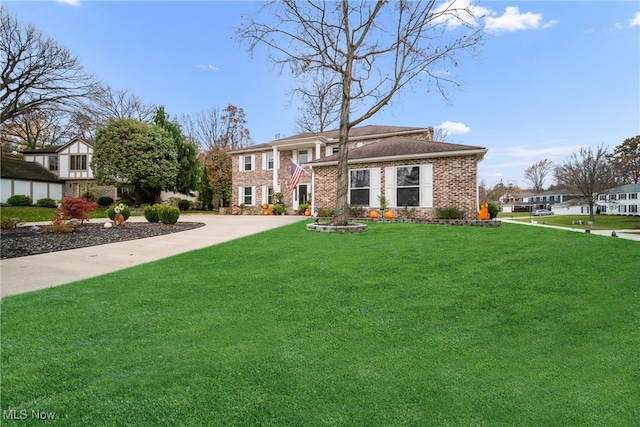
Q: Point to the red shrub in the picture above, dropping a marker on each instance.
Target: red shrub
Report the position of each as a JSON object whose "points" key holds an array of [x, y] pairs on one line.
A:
{"points": [[78, 207]]}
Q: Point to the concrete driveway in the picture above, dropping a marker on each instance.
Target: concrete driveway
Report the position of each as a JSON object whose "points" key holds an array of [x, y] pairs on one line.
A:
{"points": [[31, 273]]}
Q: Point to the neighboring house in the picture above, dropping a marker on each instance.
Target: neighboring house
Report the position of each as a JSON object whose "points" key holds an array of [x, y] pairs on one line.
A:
{"points": [[402, 163], [623, 200], [559, 201], [28, 179]]}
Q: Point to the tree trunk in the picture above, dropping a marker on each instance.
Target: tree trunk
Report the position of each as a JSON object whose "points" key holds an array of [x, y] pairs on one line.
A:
{"points": [[342, 200]]}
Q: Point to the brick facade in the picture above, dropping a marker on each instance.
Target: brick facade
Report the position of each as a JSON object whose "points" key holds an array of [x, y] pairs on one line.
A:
{"points": [[453, 180]]}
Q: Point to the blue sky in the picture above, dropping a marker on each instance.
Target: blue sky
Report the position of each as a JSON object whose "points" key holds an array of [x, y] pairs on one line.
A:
{"points": [[551, 77]]}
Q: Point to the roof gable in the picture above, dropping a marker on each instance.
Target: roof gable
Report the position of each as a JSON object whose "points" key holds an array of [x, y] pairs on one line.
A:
{"points": [[52, 149]]}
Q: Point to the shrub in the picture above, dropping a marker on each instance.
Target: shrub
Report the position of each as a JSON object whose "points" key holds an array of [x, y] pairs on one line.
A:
{"points": [[356, 211], [78, 208], [449, 213], [105, 201], [151, 213], [184, 205], [89, 196], [62, 228], [127, 202], [7, 223], [325, 213], [20, 200], [279, 209], [124, 210], [493, 210], [46, 203], [168, 214]]}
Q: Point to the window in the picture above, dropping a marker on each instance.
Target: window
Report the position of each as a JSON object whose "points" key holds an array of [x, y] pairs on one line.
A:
{"points": [[633, 195], [247, 196], [360, 185], [270, 163], [78, 162], [53, 163], [335, 150], [623, 196], [303, 156], [247, 161], [408, 186], [269, 195], [633, 208]]}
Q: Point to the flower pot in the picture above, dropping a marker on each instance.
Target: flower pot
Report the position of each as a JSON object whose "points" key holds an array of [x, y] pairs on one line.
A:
{"points": [[119, 220]]}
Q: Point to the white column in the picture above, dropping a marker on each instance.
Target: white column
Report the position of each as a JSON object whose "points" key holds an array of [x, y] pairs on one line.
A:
{"points": [[318, 148]]}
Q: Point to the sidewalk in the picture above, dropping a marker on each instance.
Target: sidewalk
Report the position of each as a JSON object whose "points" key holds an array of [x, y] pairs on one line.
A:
{"points": [[623, 234], [34, 272]]}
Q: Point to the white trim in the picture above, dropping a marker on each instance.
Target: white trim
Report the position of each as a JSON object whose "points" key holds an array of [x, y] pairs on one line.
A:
{"points": [[406, 157]]}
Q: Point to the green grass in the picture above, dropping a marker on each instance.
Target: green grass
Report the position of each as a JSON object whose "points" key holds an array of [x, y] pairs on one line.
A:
{"points": [[38, 214], [403, 325], [601, 222]]}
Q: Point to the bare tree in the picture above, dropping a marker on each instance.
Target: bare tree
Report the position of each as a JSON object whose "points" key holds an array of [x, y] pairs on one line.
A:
{"points": [[213, 128], [321, 100], [374, 50], [588, 172], [37, 73], [110, 104], [537, 173]]}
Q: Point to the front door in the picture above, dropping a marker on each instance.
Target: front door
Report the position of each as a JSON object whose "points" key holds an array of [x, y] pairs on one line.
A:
{"points": [[302, 196]]}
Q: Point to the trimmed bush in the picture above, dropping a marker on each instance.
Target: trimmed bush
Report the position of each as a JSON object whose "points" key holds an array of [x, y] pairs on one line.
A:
{"points": [[325, 213], [151, 213], [124, 210], [184, 205], [449, 213], [493, 210], [168, 214], [20, 200], [105, 201], [46, 203]]}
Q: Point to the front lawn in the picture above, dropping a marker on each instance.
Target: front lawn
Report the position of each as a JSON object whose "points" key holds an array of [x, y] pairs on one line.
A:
{"points": [[600, 222], [403, 325], [38, 214]]}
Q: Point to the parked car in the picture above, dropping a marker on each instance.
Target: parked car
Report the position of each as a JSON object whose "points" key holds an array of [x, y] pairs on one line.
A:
{"points": [[542, 212]]}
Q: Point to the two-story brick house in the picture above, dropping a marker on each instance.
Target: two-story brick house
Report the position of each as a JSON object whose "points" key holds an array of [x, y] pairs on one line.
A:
{"points": [[404, 164]]}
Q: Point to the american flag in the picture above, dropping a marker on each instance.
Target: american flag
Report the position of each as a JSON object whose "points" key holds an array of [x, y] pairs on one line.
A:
{"points": [[296, 174]]}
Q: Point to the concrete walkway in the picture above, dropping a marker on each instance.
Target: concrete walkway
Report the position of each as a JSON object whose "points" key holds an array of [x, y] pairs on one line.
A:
{"points": [[34, 272], [623, 234]]}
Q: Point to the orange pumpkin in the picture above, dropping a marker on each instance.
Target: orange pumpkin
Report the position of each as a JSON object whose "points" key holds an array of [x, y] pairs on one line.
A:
{"points": [[307, 212], [374, 214], [388, 215]]}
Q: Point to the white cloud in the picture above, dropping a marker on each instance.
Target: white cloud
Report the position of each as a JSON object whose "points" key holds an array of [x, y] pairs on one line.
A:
{"points": [[635, 21], [209, 67], [455, 13], [453, 128], [514, 20], [70, 2]]}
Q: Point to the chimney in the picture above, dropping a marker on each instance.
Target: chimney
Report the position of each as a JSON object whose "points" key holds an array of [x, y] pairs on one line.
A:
{"points": [[429, 133]]}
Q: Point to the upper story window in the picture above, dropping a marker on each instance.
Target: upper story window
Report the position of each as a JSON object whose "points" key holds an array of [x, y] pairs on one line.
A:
{"points": [[633, 195], [270, 162], [303, 156], [53, 163], [623, 196], [247, 163], [335, 150], [78, 162]]}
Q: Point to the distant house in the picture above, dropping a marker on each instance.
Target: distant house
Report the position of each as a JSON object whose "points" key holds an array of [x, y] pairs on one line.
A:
{"points": [[623, 200], [71, 163], [28, 179], [559, 201], [404, 164]]}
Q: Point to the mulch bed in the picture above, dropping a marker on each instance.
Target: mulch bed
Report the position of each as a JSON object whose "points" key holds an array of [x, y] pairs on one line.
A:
{"points": [[32, 240]]}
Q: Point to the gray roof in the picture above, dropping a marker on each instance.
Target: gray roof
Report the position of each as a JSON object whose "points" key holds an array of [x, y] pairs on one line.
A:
{"points": [[28, 171], [629, 188], [402, 147]]}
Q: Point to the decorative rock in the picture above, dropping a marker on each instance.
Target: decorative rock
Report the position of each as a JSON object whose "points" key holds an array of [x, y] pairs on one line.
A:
{"points": [[107, 225]]}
